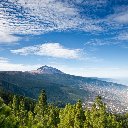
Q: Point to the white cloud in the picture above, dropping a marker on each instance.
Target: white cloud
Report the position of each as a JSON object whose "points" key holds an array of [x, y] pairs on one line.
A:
{"points": [[6, 65], [96, 3], [41, 16], [123, 36], [6, 38], [51, 50], [6, 31], [3, 60], [102, 42], [96, 42], [101, 72], [122, 18], [118, 19]]}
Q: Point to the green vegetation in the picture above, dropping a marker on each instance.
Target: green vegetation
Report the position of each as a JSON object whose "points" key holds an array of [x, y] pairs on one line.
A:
{"points": [[61, 89], [22, 113]]}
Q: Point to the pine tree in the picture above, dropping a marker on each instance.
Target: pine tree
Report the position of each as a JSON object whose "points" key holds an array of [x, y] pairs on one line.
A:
{"points": [[6, 119], [112, 122], [41, 117], [97, 114], [22, 115], [14, 106], [41, 104], [79, 116], [101, 110], [53, 116], [30, 119], [47, 116], [66, 116], [87, 123]]}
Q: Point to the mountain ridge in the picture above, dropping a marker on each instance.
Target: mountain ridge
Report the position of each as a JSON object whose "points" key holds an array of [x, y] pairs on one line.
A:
{"points": [[47, 70], [65, 88]]}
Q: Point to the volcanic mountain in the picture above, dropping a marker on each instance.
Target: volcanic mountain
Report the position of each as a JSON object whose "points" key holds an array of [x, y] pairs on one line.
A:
{"points": [[47, 70], [63, 88]]}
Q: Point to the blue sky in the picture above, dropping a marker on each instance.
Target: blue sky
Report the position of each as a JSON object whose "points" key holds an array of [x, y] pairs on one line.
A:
{"points": [[80, 37]]}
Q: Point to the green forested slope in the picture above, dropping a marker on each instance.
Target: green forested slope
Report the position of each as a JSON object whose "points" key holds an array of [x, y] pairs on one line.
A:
{"points": [[61, 88], [43, 115]]}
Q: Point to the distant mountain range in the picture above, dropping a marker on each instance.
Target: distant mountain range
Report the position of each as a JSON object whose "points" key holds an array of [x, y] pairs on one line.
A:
{"points": [[63, 88]]}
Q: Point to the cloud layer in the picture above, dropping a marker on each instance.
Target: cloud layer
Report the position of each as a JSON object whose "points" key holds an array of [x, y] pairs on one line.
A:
{"points": [[50, 50], [6, 65], [3, 60], [6, 38], [42, 16], [113, 72]]}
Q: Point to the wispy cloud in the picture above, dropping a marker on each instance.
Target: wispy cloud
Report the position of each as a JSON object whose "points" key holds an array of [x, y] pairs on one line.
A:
{"points": [[123, 39], [102, 42], [6, 31], [3, 60], [90, 71], [6, 65], [122, 18], [121, 14], [50, 50], [123, 36], [94, 3], [106, 72], [6, 38], [96, 42], [117, 20], [41, 16]]}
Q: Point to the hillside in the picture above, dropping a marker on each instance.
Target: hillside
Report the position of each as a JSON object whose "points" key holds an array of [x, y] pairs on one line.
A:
{"points": [[21, 113], [62, 88]]}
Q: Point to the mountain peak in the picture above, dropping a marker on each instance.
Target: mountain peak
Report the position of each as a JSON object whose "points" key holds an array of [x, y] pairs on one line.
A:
{"points": [[47, 70], [44, 67]]}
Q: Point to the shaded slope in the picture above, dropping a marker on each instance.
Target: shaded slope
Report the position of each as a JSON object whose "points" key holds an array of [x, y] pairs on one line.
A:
{"points": [[64, 88]]}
